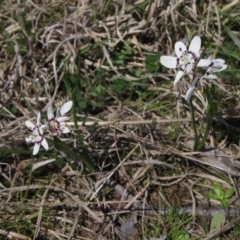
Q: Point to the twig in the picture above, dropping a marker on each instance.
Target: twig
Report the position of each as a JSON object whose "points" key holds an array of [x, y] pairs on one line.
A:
{"points": [[130, 122], [223, 229]]}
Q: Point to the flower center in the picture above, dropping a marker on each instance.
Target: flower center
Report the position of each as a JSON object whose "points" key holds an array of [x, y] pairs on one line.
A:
{"points": [[36, 137], [185, 59], [53, 126]]}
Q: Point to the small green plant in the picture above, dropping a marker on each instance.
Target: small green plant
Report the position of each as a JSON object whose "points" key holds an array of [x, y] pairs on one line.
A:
{"points": [[217, 221], [221, 195], [152, 63], [211, 111]]}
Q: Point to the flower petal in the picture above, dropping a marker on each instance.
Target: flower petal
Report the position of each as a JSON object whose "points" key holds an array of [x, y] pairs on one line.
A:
{"points": [[210, 76], [178, 76], [224, 66], [204, 63], [36, 138], [195, 45], [36, 148], [28, 139], [218, 61], [50, 113], [29, 125], [211, 56], [41, 128], [64, 129], [62, 119], [196, 82], [190, 93], [188, 67], [168, 61], [180, 48], [220, 86], [66, 107], [219, 68], [44, 143], [38, 118]]}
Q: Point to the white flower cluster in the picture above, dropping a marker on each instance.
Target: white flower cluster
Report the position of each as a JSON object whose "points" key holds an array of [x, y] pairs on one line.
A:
{"points": [[187, 58], [53, 126]]}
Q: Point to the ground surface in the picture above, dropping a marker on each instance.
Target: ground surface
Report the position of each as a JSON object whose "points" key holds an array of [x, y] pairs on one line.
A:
{"points": [[128, 168]]}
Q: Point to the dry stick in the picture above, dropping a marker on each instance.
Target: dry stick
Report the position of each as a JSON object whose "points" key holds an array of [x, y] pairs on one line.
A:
{"points": [[190, 189], [75, 224], [75, 199], [54, 55], [113, 171], [223, 229], [134, 199], [219, 25], [119, 159], [11, 235], [130, 122], [38, 224], [138, 205], [232, 4]]}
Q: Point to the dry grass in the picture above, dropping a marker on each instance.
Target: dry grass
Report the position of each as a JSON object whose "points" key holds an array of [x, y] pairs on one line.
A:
{"points": [[139, 138]]}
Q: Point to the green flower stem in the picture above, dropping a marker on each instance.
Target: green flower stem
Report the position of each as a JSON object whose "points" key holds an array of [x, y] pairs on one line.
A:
{"points": [[75, 155], [193, 123], [206, 133], [210, 115]]}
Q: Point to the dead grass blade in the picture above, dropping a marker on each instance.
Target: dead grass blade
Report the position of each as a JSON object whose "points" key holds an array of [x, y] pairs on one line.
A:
{"points": [[75, 199]]}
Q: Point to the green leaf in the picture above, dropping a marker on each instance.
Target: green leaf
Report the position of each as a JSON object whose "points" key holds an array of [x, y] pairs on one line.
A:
{"points": [[217, 222], [82, 104], [218, 190], [135, 72], [120, 86], [233, 37], [65, 148], [141, 6], [14, 151], [138, 73], [127, 51], [100, 43], [119, 62], [225, 203], [213, 196], [152, 63], [183, 236], [59, 162], [72, 78], [211, 109], [229, 193], [85, 50], [99, 89], [13, 109]]}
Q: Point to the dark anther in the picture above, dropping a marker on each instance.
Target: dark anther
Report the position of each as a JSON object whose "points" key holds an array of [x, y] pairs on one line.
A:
{"points": [[178, 60]]}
